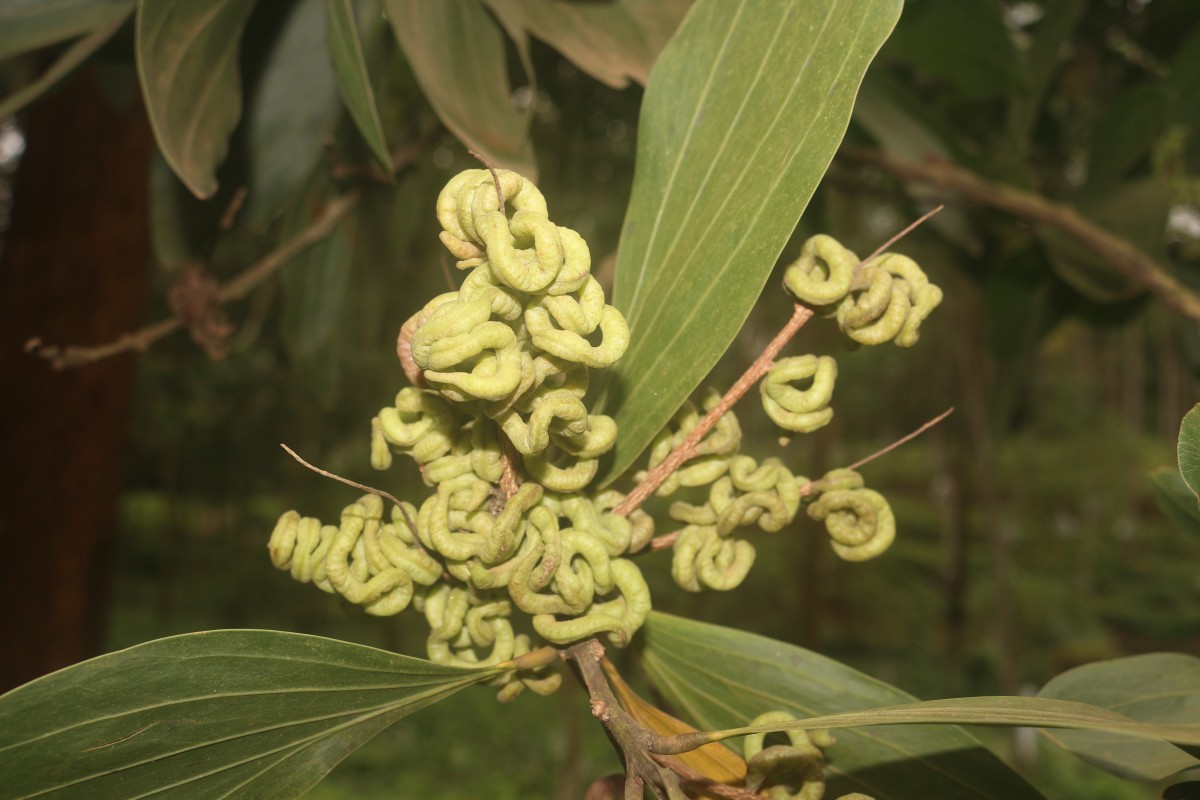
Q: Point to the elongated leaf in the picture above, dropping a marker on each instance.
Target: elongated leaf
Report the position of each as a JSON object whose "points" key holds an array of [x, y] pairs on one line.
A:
{"points": [[993, 711], [291, 111], [712, 761], [456, 51], [1159, 687], [187, 57], [346, 49], [1189, 449], [743, 113], [614, 42], [720, 677], [223, 714], [71, 58], [29, 24], [1176, 500]]}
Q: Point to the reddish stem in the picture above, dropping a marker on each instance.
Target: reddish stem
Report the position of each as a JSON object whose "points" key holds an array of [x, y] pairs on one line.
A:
{"points": [[686, 448]]}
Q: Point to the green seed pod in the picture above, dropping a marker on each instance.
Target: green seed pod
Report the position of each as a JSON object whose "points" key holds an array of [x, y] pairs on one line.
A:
{"points": [[381, 593], [889, 301], [790, 772], [300, 544], [859, 521], [799, 410], [822, 274], [705, 559]]}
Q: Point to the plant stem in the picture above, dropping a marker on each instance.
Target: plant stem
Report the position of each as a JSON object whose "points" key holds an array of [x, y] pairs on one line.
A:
{"points": [[633, 742], [687, 447], [902, 440], [412, 526], [141, 339], [1131, 262]]}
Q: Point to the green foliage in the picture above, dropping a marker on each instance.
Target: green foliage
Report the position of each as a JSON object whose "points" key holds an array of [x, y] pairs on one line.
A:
{"points": [[719, 187], [217, 714], [188, 66], [741, 119], [613, 42], [71, 58], [1178, 491], [291, 111], [1176, 499], [1189, 450], [346, 51], [722, 678], [456, 52], [26, 26], [1161, 687]]}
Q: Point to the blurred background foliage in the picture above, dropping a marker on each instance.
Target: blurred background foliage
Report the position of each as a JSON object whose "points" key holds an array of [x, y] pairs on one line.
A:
{"points": [[1029, 538]]}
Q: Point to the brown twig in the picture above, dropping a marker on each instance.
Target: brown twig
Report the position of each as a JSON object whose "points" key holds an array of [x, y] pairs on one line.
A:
{"points": [[912, 226], [495, 177], [645, 753], [236, 289], [1125, 258], [697, 783], [903, 439], [633, 742], [233, 209], [412, 526], [325, 223], [241, 285], [668, 539], [683, 452]]}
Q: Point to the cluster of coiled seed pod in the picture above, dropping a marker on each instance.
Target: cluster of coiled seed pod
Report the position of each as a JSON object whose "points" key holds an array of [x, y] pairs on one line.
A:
{"points": [[886, 299], [513, 342], [496, 422], [743, 493], [502, 362], [793, 771], [883, 300]]}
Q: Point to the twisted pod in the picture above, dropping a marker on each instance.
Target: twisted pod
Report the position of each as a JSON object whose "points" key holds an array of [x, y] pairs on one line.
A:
{"points": [[885, 300], [795, 771], [860, 521], [499, 369]]}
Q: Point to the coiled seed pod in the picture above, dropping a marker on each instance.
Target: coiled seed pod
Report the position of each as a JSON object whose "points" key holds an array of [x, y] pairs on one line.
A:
{"points": [[795, 771], [711, 456], [888, 302], [799, 410], [705, 559], [300, 544], [822, 274], [859, 520]]}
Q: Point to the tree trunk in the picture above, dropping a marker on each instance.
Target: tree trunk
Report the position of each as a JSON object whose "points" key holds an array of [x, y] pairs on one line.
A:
{"points": [[74, 271]]}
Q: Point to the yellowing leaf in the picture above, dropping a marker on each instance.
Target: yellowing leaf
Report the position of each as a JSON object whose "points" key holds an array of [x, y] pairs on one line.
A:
{"points": [[713, 761]]}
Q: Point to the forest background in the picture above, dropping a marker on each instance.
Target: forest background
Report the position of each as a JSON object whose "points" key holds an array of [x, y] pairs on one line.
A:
{"points": [[142, 487]]}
